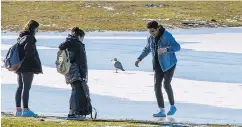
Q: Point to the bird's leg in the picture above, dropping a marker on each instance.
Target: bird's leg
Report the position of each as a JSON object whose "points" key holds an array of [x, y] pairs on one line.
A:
{"points": [[116, 70]]}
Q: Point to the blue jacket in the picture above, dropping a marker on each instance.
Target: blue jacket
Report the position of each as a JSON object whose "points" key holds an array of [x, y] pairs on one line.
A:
{"points": [[168, 59]]}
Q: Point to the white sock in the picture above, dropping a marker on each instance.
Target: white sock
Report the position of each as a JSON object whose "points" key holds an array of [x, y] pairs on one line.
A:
{"points": [[162, 109]]}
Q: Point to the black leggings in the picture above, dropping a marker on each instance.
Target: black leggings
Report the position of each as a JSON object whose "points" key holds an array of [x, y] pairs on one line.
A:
{"points": [[24, 84], [158, 77]]}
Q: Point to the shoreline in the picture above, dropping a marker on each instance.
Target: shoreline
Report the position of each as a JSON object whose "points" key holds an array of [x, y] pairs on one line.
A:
{"points": [[122, 31], [169, 28]]}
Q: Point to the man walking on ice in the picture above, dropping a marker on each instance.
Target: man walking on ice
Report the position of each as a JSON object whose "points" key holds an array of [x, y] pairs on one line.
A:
{"points": [[163, 47]]}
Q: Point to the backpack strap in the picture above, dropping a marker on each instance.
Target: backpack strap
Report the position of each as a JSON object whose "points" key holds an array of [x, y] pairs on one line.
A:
{"points": [[67, 54], [6, 61], [95, 115]]}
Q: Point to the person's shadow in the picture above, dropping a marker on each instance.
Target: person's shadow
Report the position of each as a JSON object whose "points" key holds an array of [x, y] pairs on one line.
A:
{"points": [[171, 119], [163, 119]]}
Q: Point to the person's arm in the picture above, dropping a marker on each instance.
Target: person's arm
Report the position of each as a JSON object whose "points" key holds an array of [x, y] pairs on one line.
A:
{"points": [[145, 51], [83, 64], [29, 47], [64, 45], [174, 47]]}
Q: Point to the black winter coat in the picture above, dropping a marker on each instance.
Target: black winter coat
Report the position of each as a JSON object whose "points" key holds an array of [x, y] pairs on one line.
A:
{"points": [[78, 69], [28, 53]]}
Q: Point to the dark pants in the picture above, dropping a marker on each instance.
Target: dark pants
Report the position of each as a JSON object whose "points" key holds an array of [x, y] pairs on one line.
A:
{"points": [[158, 77], [24, 84], [78, 100]]}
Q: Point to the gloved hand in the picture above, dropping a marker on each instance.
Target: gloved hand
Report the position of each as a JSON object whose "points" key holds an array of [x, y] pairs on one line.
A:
{"points": [[137, 62], [84, 79]]}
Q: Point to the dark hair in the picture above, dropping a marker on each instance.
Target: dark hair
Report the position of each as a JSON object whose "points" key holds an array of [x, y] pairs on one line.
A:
{"points": [[152, 24], [77, 31], [31, 25]]}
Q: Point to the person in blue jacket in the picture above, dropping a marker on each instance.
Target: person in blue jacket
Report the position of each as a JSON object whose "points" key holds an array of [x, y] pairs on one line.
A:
{"points": [[163, 47]]}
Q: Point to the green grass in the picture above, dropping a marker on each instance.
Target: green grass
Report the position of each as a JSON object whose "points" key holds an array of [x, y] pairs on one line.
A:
{"points": [[30, 122], [34, 122], [129, 16]]}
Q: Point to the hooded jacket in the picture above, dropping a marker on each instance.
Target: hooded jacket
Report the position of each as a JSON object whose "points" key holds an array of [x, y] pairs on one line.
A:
{"points": [[28, 53], [78, 69]]}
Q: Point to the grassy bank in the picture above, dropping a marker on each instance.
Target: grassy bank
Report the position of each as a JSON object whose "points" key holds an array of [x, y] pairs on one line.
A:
{"points": [[120, 15], [37, 122]]}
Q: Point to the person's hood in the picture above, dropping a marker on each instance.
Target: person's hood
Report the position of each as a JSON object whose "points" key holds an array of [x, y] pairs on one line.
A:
{"points": [[22, 37], [23, 33], [161, 31], [73, 38]]}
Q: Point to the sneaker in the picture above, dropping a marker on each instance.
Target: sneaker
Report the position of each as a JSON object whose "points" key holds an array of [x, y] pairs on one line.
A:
{"points": [[172, 110], [160, 114], [75, 117], [29, 113], [18, 113]]}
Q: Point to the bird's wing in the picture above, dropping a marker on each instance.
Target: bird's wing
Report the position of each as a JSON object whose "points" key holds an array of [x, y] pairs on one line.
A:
{"points": [[118, 65]]}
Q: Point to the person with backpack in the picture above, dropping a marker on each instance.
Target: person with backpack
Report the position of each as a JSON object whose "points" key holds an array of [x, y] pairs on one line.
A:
{"points": [[77, 75], [163, 47], [30, 65]]}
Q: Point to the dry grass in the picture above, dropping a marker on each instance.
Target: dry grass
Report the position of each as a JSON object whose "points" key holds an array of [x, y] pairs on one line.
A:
{"points": [[128, 16]]}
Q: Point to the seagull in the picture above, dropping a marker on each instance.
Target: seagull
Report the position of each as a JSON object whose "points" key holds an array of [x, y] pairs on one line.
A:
{"points": [[117, 65]]}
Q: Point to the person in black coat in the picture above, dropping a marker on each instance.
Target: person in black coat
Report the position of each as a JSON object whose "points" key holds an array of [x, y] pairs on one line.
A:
{"points": [[78, 73], [31, 65]]}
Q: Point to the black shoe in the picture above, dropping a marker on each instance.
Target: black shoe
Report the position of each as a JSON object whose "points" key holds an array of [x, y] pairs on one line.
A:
{"points": [[75, 117]]}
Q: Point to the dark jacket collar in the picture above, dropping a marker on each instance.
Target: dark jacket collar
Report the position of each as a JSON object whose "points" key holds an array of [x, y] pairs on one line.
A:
{"points": [[72, 38], [160, 33], [23, 33]]}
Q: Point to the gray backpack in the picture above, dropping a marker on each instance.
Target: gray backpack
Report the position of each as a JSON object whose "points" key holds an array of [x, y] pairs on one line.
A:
{"points": [[63, 63]]}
